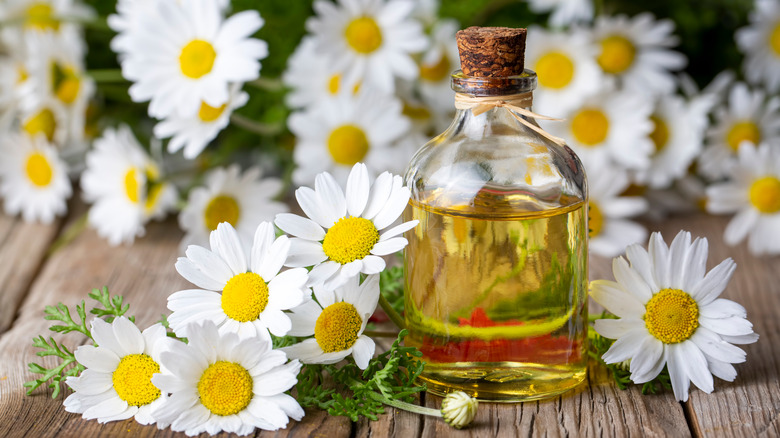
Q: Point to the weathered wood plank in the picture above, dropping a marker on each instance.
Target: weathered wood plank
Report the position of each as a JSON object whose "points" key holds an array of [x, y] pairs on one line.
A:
{"points": [[22, 250], [749, 406], [144, 274]]}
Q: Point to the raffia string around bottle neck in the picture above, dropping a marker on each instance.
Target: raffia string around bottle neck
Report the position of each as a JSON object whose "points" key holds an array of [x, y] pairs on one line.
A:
{"points": [[495, 57]]}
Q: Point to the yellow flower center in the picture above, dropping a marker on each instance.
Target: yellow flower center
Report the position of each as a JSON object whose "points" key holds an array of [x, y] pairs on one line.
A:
{"points": [[348, 144], [41, 16], [671, 316], [617, 54], [743, 131], [38, 169], [244, 297], [225, 388], [334, 84], [337, 327], [153, 196], [554, 70], [416, 112], [208, 113], [21, 74], [350, 239], [590, 126], [765, 194], [197, 59], [65, 83], [595, 219], [363, 35], [774, 39], [437, 71], [221, 209], [41, 123], [132, 186], [133, 379], [660, 134]]}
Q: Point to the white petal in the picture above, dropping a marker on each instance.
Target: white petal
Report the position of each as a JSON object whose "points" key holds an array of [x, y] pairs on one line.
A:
{"points": [[322, 272], [275, 258], [680, 381], [300, 227], [277, 380], [189, 270], [631, 280], [91, 382], [229, 247], [333, 202], [616, 328], [722, 370], [713, 346], [209, 263], [312, 206], [263, 239], [285, 290], [722, 308], [398, 229], [619, 302], [304, 253], [625, 347], [731, 326], [678, 256], [713, 284], [659, 254], [98, 359], [695, 365], [128, 335], [395, 205], [640, 261], [389, 246], [363, 351], [358, 187], [109, 408], [373, 264], [380, 191], [740, 226]]}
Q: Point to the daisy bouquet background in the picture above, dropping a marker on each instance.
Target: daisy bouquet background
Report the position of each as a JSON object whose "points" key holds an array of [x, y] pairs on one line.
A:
{"points": [[216, 110]]}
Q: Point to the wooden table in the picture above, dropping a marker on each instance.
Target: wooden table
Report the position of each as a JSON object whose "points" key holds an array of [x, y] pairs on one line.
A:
{"points": [[144, 273]]}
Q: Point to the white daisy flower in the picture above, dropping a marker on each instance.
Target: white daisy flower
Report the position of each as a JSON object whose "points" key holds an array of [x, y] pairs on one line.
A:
{"points": [[371, 41], [341, 236], [754, 194], [33, 179], [670, 314], [186, 54], [609, 127], [48, 118], [242, 200], [340, 132], [241, 291], [564, 12], [194, 132], [124, 185], [608, 212], [760, 41], [311, 77], [58, 17], [220, 382], [637, 51], [750, 117], [117, 383], [565, 68], [337, 320], [15, 83], [678, 136], [437, 64]]}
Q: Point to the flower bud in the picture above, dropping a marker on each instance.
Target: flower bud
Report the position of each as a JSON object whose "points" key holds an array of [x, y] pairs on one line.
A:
{"points": [[459, 409]]}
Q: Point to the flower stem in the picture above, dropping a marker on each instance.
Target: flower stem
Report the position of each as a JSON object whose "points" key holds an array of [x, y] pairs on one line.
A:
{"points": [[69, 235], [415, 409], [391, 313], [256, 127], [107, 75], [267, 84]]}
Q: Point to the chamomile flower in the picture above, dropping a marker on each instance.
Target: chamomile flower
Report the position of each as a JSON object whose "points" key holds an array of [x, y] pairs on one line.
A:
{"points": [[340, 132], [750, 117], [15, 82], [341, 236], [193, 132], [371, 41], [221, 382], [610, 127], [670, 314], [564, 12], [337, 320], [241, 290], [637, 51], [311, 77], [48, 118], [33, 179], [678, 135], [123, 183], [117, 383], [760, 41], [242, 200], [565, 67], [187, 53], [437, 64], [608, 212], [754, 194], [43, 16]]}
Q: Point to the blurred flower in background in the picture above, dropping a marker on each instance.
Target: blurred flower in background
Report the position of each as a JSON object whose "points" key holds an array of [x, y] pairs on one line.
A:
{"points": [[657, 100]]}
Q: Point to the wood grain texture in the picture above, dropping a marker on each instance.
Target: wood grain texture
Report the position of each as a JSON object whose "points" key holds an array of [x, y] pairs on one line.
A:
{"points": [[23, 247], [145, 275]]}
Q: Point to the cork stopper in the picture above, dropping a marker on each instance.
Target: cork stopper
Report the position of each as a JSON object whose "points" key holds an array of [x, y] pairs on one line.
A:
{"points": [[491, 51]]}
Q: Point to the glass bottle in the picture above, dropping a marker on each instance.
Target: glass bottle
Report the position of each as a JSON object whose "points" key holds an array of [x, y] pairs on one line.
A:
{"points": [[496, 271]]}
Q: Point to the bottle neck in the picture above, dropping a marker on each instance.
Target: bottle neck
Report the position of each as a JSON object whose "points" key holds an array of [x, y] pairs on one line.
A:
{"points": [[479, 116]]}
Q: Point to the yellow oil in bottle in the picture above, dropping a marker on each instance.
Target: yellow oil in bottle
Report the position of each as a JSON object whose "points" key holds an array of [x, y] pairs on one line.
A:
{"points": [[496, 295]]}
